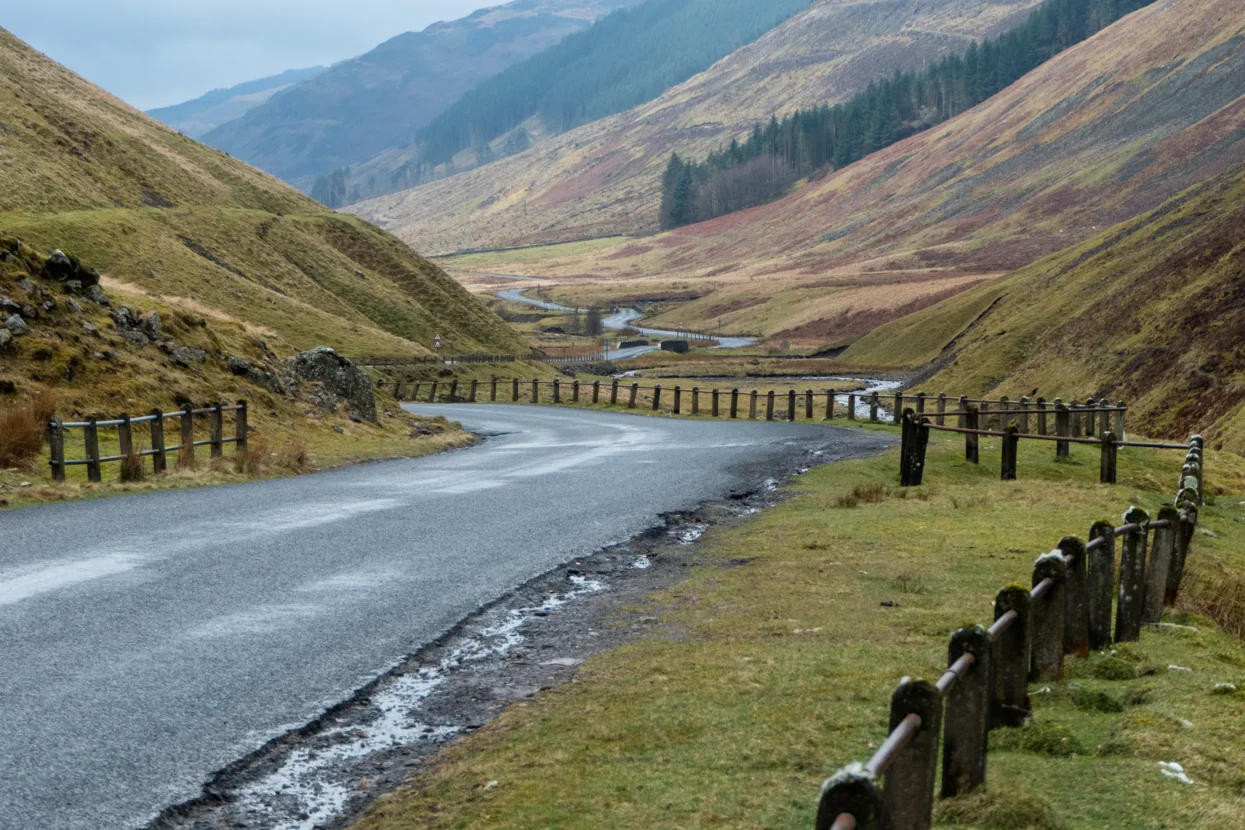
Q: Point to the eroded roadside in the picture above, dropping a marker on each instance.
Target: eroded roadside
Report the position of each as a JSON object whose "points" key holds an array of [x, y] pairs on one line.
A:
{"points": [[325, 774]]}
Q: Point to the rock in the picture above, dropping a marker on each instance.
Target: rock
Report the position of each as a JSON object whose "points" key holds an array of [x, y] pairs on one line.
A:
{"points": [[64, 268], [8, 387], [134, 337], [96, 295], [239, 367], [16, 325], [339, 378], [30, 312], [49, 306], [29, 287], [339, 430], [149, 323], [89, 328], [8, 305], [73, 305], [182, 356], [73, 286], [6, 337]]}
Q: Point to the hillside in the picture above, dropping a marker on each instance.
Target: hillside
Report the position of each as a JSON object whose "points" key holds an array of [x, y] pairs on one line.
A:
{"points": [[1104, 132], [604, 178], [379, 100], [166, 218], [1150, 312], [207, 112]]}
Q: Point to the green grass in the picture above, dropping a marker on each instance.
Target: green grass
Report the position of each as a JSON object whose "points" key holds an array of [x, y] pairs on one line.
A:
{"points": [[767, 677]]}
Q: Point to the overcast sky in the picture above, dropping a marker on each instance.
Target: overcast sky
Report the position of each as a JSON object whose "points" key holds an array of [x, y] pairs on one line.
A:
{"points": [[158, 52]]}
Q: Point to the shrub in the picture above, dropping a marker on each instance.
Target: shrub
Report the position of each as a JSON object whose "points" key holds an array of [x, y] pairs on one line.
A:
{"points": [[22, 430]]}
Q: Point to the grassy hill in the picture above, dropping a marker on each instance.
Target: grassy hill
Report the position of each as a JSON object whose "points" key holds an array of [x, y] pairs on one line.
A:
{"points": [[604, 178], [379, 100], [1150, 312], [220, 106]]}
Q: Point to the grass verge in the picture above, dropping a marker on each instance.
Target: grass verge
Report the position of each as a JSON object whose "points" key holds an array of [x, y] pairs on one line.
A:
{"points": [[777, 657]]}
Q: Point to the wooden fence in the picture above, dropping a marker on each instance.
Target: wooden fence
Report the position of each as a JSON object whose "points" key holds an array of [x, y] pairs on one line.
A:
{"points": [[132, 461], [1068, 611]]}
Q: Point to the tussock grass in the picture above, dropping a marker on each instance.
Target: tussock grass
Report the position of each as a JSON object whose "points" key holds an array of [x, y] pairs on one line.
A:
{"points": [[23, 427], [1214, 591], [999, 811]]}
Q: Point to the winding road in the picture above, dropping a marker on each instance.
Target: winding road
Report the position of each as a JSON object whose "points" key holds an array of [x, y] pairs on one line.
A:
{"points": [[151, 640]]}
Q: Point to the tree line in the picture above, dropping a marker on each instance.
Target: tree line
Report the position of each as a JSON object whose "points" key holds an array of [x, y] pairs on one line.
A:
{"points": [[775, 156]]}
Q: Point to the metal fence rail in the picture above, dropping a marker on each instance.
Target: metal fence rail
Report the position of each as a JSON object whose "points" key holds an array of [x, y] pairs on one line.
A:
{"points": [[1068, 611], [132, 461]]}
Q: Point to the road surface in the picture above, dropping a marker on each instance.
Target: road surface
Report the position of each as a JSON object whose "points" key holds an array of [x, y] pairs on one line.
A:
{"points": [[150, 640]]}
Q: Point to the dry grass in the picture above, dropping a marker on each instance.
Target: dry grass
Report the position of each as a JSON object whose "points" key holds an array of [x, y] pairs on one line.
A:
{"points": [[872, 493], [294, 456], [1216, 592], [252, 460], [22, 430]]}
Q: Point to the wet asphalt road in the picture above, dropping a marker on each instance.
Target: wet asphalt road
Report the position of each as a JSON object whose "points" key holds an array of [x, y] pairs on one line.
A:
{"points": [[148, 641]]}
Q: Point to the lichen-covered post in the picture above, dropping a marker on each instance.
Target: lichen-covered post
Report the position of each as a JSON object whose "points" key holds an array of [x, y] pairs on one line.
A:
{"points": [[56, 445], [898, 408], [1104, 417], [752, 405], [942, 409], [808, 404], [1063, 428], [908, 793], [734, 403], [963, 418], [1120, 415], [1004, 406], [635, 394], [216, 424], [1160, 565], [1048, 614], [557, 391], [1132, 594], [1011, 450], [90, 434], [575, 391], [614, 393], [186, 452], [1108, 467], [596, 392], [1184, 535], [695, 400], [1100, 584], [715, 406], [830, 393], [852, 791], [972, 443], [159, 458], [790, 404], [241, 427], [125, 446], [1076, 598], [535, 391], [967, 717], [1041, 417], [1025, 403], [851, 406], [1010, 659], [769, 406]]}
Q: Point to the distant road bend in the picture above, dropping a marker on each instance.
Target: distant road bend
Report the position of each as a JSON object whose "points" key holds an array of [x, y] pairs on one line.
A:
{"points": [[151, 640]]}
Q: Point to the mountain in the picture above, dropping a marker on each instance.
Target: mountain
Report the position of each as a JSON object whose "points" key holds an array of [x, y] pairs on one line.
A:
{"points": [[379, 100], [207, 112], [1100, 134], [173, 223], [1150, 312], [604, 178]]}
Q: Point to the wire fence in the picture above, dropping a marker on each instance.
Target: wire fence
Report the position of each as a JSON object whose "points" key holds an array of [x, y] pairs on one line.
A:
{"points": [[1067, 612]]}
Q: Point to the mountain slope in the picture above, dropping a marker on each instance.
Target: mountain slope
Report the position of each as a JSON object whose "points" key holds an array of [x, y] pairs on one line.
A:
{"points": [[1102, 133], [379, 100], [605, 178], [169, 218], [203, 114], [1150, 312]]}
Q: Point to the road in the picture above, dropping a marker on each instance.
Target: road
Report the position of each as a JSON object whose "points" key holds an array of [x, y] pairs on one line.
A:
{"points": [[150, 640], [623, 319]]}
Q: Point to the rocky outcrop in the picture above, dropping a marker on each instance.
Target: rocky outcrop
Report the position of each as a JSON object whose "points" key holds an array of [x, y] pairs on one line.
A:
{"points": [[339, 379], [69, 271]]}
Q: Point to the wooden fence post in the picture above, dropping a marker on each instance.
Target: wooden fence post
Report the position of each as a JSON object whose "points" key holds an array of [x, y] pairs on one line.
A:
{"points": [[241, 427], [1041, 417], [415, 391], [1160, 565], [1024, 415], [56, 447], [1005, 405], [614, 393], [915, 440], [1104, 418], [695, 400], [635, 393], [1107, 467], [790, 404], [1131, 599], [90, 434], [216, 424], [1100, 584], [752, 406], [967, 717], [898, 408], [1184, 535], [830, 395], [514, 390], [596, 391], [769, 406], [942, 409], [854, 791], [1063, 428], [557, 391], [1119, 421], [1011, 449], [734, 403], [1048, 614], [453, 391], [535, 391], [714, 402], [432, 394], [657, 397], [159, 459], [983, 416], [908, 793], [475, 388], [963, 419], [972, 442], [808, 404], [1011, 659], [575, 391], [851, 406], [125, 445], [1076, 598], [186, 451], [493, 391]]}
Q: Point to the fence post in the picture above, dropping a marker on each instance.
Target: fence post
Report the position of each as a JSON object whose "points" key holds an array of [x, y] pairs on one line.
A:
{"points": [[752, 406], [241, 428], [734, 403], [808, 404], [790, 404], [453, 391], [596, 391], [614, 393], [557, 391], [1188, 521], [656, 397], [1132, 578], [1160, 566], [851, 406], [1063, 428], [984, 416], [967, 718], [1048, 613], [908, 793], [1076, 598], [432, 394], [1099, 584], [90, 434], [875, 403], [635, 393], [963, 419], [575, 391], [915, 440], [854, 791], [898, 408], [1119, 421], [186, 451], [475, 387], [56, 448], [1024, 415], [493, 392], [769, 406], [415, 391], [535, 391], [159, 462], [714, 403], [1011, 659], [972, 442], [1041, 417], [829, 404], [695, 400], [1107, 466], [942, 409], [1011, 449], [125, 445], [514, 390], [216, 422], [1104, 419]]}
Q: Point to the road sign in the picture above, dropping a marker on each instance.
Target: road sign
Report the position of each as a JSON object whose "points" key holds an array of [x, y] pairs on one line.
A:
{"points": [[437, 342]]}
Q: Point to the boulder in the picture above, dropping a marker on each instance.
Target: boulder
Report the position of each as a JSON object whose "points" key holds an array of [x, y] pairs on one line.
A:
{"points": [[238, 367], [16, 326], [149, 324], [96, 295], [182, 356], [6, 337], [64, 268], [339, 378]]}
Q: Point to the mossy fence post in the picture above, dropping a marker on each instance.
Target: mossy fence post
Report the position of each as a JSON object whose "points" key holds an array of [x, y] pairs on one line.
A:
{"points": [[514, 390], [898, 408], [535, 391], [575, 391], [453, 391], [493, 391], [557, 391], [1100, 583], [714, 403], [963, 417], [734, 404], [1108, 466], [791, 405], [942, 409], [1131, 599], [596, 392], [1076, 598], [432, 396], [1005, 406], [1063, 428], [241, 427], [475, 388], [853, 791], [752, 406], [914, 439], [967, 717], [657, 397], [908, 794], [769, 406], [1049, 574], [1160, 565], [1025, 404], [695, 400], [1011, 658], [1042, 425]]}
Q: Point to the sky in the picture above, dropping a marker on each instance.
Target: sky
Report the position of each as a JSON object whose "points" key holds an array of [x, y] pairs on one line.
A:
{"points": [[153, 53]]}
